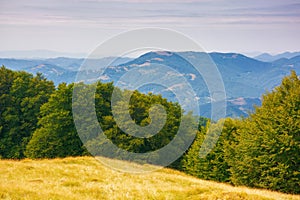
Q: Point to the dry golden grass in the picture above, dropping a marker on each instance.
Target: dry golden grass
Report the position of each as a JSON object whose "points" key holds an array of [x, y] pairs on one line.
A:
{"points": [[85, 178]]}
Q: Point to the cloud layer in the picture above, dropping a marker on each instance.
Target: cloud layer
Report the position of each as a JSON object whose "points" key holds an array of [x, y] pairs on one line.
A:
{"points": [[89, 17]]}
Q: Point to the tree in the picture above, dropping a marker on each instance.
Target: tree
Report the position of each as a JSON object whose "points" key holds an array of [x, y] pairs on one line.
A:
{"points": [[21, 97], [214, 166], [57, 135], [267, 152], [139, 106]]}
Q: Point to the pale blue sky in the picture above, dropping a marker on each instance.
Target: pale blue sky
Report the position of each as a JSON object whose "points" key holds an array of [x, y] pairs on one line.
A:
{"points": [[219, 25]]}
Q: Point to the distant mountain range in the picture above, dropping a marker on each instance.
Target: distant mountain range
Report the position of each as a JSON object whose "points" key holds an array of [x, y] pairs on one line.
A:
{"points": [[245, 78], [39, 54], [265, 57], [59, 69]]}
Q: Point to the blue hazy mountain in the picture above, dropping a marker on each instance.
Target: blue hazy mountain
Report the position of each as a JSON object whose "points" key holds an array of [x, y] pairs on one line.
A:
{"points": [[242, 76], [53, 72], [245, 79], [235, 107], [265, 57], [39, 54], [288, 63], [72, 64]]}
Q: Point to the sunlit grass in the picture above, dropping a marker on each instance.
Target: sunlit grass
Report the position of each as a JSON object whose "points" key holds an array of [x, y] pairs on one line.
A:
{"points": [[85, 178]]}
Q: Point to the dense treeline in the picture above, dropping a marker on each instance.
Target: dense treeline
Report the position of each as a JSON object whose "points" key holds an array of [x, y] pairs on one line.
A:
{"points": [[36, 121], [21, 96], [50, 131], [259, 151], [56, 135]]}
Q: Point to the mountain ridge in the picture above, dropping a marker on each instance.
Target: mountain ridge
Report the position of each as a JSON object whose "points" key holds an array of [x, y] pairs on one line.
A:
{"points": [[243, 77], [266, 57]]}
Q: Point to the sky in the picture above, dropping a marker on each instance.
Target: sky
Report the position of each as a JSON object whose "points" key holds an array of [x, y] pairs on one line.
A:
{"points": [[79, 26]]}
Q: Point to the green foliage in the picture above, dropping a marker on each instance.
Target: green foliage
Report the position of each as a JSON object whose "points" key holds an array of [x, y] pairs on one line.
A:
{"points": [[139, 111], [214, 166], [140, 106], [57, 135], [267, 152], [36, 120], [260, 151], [21, 95]]}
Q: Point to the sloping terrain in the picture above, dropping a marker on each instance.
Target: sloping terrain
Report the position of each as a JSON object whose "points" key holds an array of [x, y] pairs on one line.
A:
{"points": [[85, 178]]}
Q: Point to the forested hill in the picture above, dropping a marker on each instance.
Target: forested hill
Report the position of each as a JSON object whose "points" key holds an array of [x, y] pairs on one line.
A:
{"points": [[262, 150]]}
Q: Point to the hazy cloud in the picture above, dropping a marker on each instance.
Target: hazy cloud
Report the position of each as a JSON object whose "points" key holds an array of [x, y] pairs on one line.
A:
{"points": [[92, 15]]}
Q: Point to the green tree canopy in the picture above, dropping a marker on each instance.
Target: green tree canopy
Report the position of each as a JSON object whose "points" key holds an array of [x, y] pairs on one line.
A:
{"points": [[57, 135], [214, 166], [268, 148], [21, 96]]}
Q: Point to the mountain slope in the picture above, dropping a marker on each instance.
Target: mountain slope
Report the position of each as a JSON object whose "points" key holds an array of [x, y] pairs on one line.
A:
{"points": [[243, 77], [60, 69], [85, 178], [265, 57], [53, 72]]}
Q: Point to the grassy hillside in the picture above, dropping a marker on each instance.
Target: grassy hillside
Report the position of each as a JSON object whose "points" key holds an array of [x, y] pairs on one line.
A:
{"points": [[85, 178]]}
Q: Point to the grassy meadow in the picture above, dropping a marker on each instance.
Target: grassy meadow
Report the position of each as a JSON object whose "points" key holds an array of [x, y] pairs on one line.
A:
{"points": [[86, 178]]}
